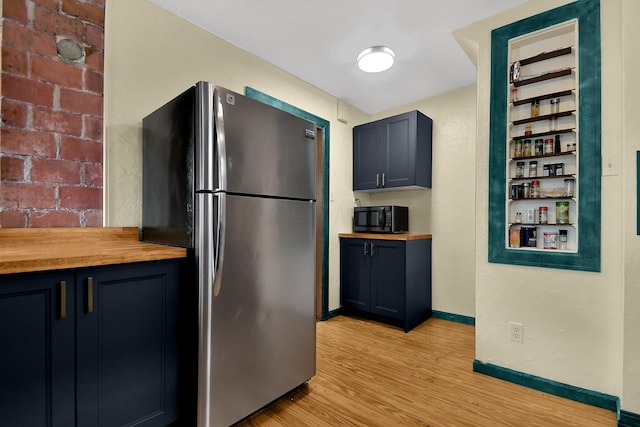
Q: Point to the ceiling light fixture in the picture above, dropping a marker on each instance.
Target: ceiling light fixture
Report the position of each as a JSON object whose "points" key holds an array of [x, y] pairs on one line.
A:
{"points": [[376, 59]]}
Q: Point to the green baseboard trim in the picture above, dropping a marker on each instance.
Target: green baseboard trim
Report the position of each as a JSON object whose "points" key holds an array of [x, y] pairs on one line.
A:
{"points": [[333, 313], [459, 318], [628, 419], [590, 397]]}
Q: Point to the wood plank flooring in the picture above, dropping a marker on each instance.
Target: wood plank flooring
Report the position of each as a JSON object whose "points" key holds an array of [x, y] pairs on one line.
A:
{"points": [[370, 374]]}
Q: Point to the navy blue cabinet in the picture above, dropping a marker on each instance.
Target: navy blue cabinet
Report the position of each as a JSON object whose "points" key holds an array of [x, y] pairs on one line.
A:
{"points": [[393, 153], [108, 355], [37, 350], [387, 279]]}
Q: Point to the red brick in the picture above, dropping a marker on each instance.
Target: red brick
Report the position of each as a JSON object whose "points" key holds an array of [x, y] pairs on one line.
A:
{"points": [[80, 102], [93, 175], [81, 149], [50, 21], [94, 81], [28, 143], [11, 169], [85, 11], [93, 218], [14, 61], [13, 219], [95, 59], [13, 113], [94, 36], [51, 4], [54, 219], [22, 38], [15, 10], [56, 72], [57, 121], [80, 198], [27, 90], [93, 128], [55, 171], [24, 196]]}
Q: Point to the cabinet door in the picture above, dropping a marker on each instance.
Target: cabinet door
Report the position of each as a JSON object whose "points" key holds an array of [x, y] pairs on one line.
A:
{"points": [[37, 350], [369, 156], [400, 133], [127, 344], [354, 273], [388, 278]]}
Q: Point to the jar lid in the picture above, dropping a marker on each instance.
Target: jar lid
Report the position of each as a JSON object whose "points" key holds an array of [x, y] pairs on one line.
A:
{"points": [[533, 162], [543, 208], [569, 179], [520, 163]]}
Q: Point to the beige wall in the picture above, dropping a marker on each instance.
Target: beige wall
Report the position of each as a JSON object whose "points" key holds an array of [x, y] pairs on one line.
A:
{"points": [[447, 211], [151, 56], [573, 321], [630, 138]]}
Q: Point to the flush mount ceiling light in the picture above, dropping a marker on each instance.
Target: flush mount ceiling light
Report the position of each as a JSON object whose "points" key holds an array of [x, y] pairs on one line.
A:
{"points": [[375, 59]]}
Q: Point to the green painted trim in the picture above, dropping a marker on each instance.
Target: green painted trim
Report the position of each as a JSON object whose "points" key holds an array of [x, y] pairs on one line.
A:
{"points": [[587, 257], [458, 318], [593, 398], [325, 126], [628, 419], [638, 192], [334, 313]]}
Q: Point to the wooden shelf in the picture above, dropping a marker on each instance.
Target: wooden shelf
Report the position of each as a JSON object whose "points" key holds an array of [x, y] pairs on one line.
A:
{"points": [[548, 75], [544, 97], [546, 55], [518, 224], [562, 153], [551, 132], [524, 178], [544, 117]]}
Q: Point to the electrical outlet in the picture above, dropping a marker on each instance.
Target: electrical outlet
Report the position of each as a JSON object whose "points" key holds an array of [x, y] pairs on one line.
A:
{"points": [[516, 332]]}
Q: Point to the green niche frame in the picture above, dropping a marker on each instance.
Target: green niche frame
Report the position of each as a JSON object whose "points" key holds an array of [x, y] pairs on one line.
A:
{"points": [[325, 126], [587, 256]]}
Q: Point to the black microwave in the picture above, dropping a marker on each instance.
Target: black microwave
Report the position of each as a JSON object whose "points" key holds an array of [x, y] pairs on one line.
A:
{"points": [[381, 219]]}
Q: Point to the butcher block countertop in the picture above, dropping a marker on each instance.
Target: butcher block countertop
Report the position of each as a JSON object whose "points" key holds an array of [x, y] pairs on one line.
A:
{"points": [[385, 236], [40, 249]]}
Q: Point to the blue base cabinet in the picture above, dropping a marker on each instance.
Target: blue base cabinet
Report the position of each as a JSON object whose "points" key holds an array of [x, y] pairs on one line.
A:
{"points": [[95, 346], [388, 280], [393, 153]]}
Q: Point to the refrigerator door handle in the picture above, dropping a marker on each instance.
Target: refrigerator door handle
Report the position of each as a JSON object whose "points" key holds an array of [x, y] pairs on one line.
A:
{"points": [[220, 140], [218, 252]]}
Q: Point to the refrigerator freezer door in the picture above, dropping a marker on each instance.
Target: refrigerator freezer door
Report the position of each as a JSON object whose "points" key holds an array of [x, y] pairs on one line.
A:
{"points": [[268, 152], [262, 322]]}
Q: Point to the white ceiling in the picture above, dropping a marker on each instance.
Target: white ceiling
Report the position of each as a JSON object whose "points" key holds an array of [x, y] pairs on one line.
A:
{"points": [[319, 41]]}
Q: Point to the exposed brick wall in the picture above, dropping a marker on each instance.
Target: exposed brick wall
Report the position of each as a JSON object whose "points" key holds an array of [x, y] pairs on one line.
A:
{"points": [[51, 136]]}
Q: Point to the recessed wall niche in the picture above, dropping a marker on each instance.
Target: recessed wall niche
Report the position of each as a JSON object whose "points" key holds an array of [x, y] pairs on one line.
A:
{"points": [[544, 164]]}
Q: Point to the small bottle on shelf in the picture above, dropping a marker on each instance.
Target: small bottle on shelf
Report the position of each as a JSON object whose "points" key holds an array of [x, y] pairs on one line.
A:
{"points": [[517, 148], [519, 169], [535, 108], [563, 239], [527, 130], [533, 168]]}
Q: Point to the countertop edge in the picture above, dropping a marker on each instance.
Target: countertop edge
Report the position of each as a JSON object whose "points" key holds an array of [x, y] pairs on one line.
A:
{"points": [[38, 250], [385, 236]]}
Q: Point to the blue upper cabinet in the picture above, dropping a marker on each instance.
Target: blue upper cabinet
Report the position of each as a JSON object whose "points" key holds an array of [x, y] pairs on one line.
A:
{"points": [[393, 153]]}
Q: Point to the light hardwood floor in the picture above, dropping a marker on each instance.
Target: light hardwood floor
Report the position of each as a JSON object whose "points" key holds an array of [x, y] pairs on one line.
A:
{"points": [[370, 374]]}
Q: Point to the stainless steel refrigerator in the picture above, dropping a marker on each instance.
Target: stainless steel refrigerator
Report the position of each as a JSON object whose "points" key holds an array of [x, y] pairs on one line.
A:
{"points": [[235, 180]]}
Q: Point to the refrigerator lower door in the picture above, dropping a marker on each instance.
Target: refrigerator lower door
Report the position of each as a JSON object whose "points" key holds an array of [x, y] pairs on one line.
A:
{"points": [[262, 321]]}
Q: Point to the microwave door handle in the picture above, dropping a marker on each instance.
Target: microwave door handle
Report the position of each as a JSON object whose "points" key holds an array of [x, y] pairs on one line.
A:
{"points": [[381, 217]]}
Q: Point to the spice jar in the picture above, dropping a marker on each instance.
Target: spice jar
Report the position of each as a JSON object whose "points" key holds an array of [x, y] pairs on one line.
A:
{"points": [[569, 187], [563, 239], [526, 148], [539, 147], [562, 212], [514, 94], [519, 169], [535, 108], [548, 146], [527, 129], [518, 217], [533, 168], [517, 150], [526, 190], [559, 168], [545, 170], [535, 189], [543, 214], [556, 145]]}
